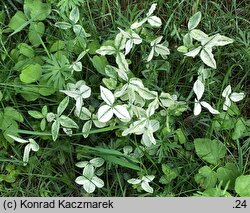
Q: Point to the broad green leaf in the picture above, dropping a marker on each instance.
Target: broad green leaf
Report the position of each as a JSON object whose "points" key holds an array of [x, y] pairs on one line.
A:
{"points": [[11, 113], [169, 174], [57, 45], [36, 9], [207, 57], [216, 192], [99, 62], [74, 15], [31, 73], [35, 114], [105, 113], [107, 96], [43, 124], [55, 129], [181, 136], [210, 150], [18, 21], [121, 112], [36, 31], [206, 177], [154, 21], [194, 20], [228, 173], [242, 185], [93, 46], [198, 35], [62, 106], [240, 129], [26, 50], [86, 128], [63, 25], [68, 122], [44, 110]]}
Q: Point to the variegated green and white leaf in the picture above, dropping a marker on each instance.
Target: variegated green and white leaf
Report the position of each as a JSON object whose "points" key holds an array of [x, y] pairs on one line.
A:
{"points": [[199, 89], [121, 61], [134, 181], [194, 52], [20, 140], [207, 57], [147, 187], [151, 9], [209, 107], [55, 129], [194, 21], [62, 106], [235, 97], [68, 122], [107, 96], [106, 50], [122, 113], [86, 128], [198, 35], [105, 113], [120, 41], [74, 15], [154, 21], [97, 162]]}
